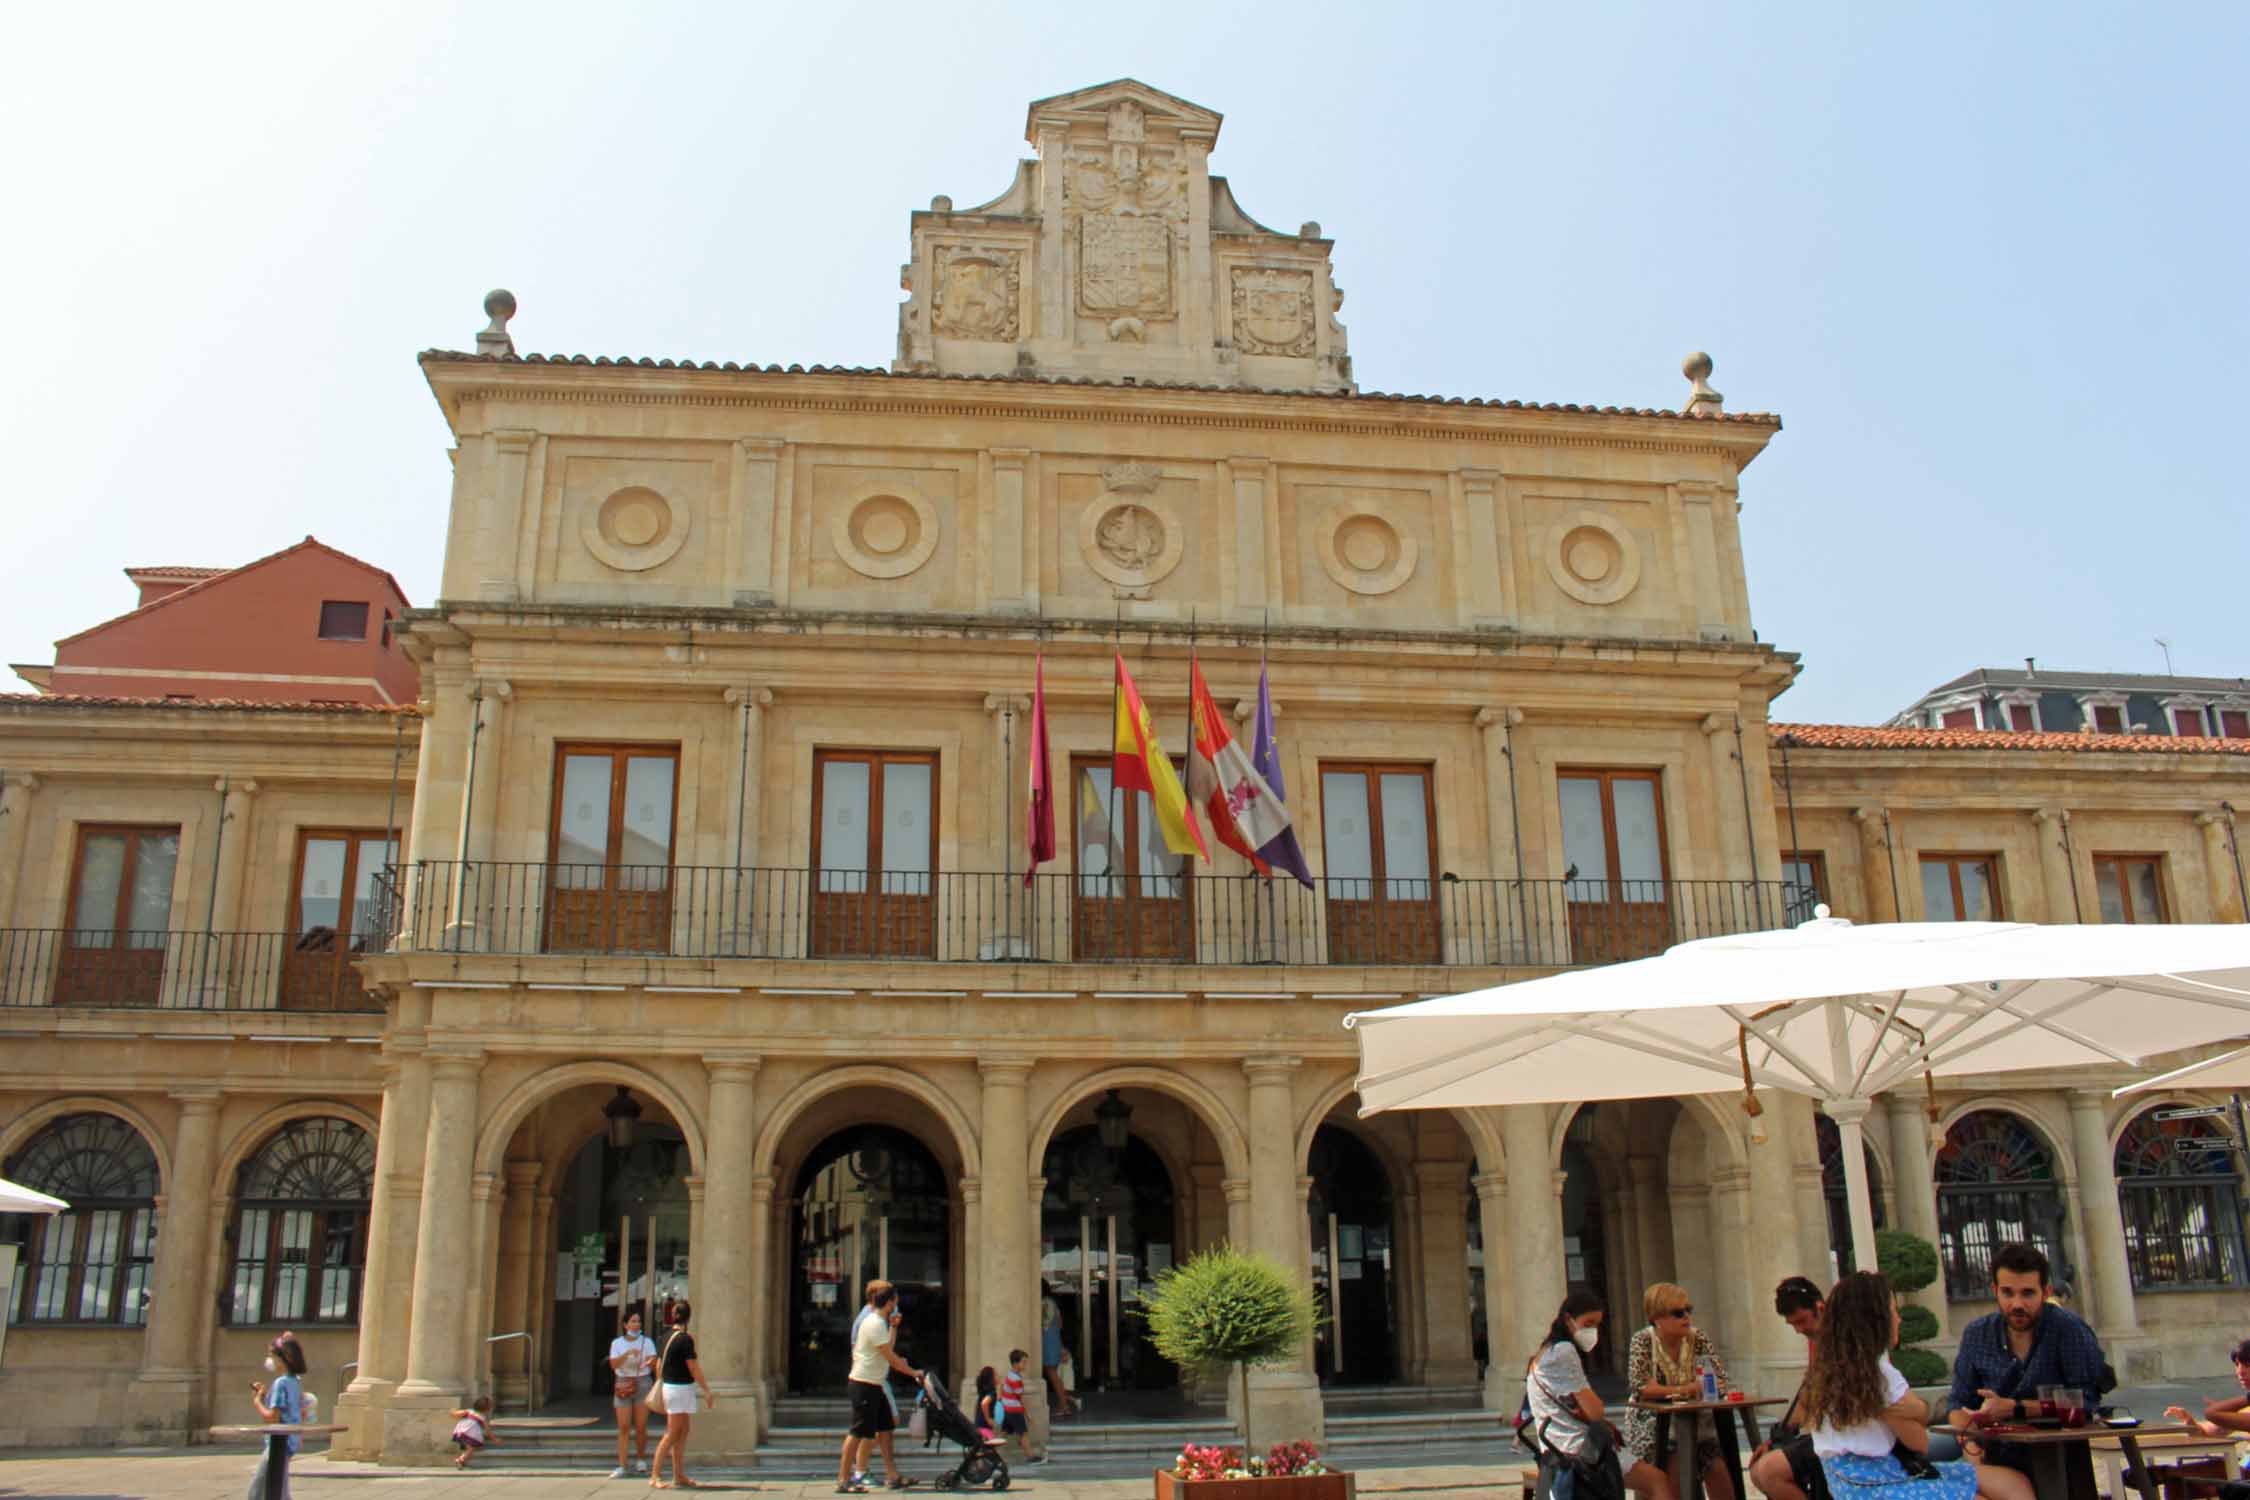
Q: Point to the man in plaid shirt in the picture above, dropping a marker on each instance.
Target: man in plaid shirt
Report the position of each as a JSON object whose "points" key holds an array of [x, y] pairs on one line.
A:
{"points": [[2007, 1355]]}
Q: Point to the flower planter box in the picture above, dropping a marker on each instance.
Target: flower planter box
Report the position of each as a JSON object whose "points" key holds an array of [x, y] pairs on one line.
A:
{"points": [[1330, 1486]]}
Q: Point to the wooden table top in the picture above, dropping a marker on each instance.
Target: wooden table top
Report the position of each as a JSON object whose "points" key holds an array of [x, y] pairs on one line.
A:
{"points": [[279, 1429], [2036, 1436], [2169, 1437], [1722, 1404]]}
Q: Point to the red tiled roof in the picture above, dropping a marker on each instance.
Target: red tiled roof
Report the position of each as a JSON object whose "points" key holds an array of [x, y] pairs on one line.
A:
{"points": [[173, 570], [254, 705], [1872, 737], [452, 356], [214, 574]]}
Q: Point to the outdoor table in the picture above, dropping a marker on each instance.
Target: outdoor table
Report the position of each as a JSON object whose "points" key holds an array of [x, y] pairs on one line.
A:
{"points": [[2115, 1460], [1686, 1479], [2062, 1462], [265, 1430]]}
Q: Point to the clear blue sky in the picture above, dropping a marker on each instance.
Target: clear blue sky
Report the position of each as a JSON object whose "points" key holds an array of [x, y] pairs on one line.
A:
{"points": [[1987, 261]]}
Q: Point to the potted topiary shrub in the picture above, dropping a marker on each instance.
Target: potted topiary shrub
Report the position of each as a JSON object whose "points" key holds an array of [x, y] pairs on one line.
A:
{"points": [[1911, 1263], [1231, 1307]]}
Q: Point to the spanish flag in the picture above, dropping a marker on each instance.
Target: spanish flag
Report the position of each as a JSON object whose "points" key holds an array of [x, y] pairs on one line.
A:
{"points": [[1138, 764]]}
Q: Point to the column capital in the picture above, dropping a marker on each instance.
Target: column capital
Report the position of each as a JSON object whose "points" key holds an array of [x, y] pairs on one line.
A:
{"points": [[523, 1174], [1006, 703], [2046, 815], [694, 1188], [2089, 1101], [480, 687], [1304, 1189], [1715, 725], [1237, 1189], [462, 1063], [760, 445], [484, 1186], [972, 1190], [19, 781], [1869, 818], [1005, 1071], [195, 1101], [1498, 717], [1489, 1184], [2210, 818], [1246, 709], [743, 692], [245, 788], [761, 1189], [1560, 1177], [1729, 1178], [1271, 1068], [733, 1067]]}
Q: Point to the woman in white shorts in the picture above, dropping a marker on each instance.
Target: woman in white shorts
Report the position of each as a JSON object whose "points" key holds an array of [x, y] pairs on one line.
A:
{"points": [[685, 1394]]}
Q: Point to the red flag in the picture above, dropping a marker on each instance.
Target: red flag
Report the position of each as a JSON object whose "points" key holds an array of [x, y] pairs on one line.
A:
{"points": [[1041, 830], [1219, 775]]}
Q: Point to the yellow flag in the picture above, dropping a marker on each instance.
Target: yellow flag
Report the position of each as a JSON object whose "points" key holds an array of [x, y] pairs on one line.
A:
{"points": [[1138, 764]]}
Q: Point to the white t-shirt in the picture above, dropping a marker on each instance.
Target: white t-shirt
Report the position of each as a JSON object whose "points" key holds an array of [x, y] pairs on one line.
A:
{"points": [[1559, 1373], [1869, 1439], [634, 1355], [871, 1335]]}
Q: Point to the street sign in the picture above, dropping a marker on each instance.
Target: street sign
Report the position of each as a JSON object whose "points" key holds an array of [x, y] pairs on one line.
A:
{"points": [[2192, 1112]]}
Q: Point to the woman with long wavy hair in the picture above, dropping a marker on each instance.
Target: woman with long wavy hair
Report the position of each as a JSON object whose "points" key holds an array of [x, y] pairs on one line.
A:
{"points": [[1868, 1427]]}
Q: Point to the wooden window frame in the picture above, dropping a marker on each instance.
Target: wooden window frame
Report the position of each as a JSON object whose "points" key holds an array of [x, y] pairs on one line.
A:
{"points": [[2120, 862], [1816, 860], [131, 832], [136, 1214], [2009, 708], [317, 1270], [873, 922], [1608, 776], [2094, 712], [1417, 939], [872, 757], [353, 838], [1953, 862], [619, 752], [1374, 770], [1976, 719], [2172, 714], [2234, 723], [364, 608]]}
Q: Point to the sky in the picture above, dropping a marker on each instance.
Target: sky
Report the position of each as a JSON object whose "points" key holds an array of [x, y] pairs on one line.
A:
{"points": [[1987, 262]]}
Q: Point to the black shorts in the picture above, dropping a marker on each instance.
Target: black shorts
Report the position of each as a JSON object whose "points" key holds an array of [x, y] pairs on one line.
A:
{"points": [[871, 1409], [1804, 1464]]}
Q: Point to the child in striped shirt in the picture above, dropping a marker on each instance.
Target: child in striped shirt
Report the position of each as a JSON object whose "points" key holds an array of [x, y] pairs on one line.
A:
{"points": [[1011, 1407]]}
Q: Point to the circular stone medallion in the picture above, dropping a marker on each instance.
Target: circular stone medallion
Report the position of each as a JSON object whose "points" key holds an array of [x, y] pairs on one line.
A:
{"points": [[884, 534], [1365, 553], [1593, 559], [635, 529], [1131, 538]]}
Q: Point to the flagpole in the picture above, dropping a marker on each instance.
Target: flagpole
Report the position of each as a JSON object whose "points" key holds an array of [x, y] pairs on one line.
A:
{"points": [[1008, 859], [1273, 897], [1115, 854]]}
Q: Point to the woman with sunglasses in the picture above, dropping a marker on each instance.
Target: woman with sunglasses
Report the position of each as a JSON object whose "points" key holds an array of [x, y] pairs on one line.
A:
{"points": [[1664, 1363]]}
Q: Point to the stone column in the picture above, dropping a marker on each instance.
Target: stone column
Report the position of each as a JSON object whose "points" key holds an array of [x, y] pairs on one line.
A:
{"points": [[766, 1292], [477, 888], [1875, 864], [1284, 1402], [484, 1289], [1731, 843], [416, 1425], [381, 1320], [209, 962], [724, 1260], [1914, 1189], [160, 1402], [1740, 1308], [1508, 909], [1774, 1248], [1652, 1229], [1007, 1313], [2053, 824], [1237, 1193], [1505, 1318], [1006, 833], [16, 788], [1532, 1247], [543, 1293], [512, 1302], [751, 893], [1448, 1351], [2111, 1304], [2220, 873]]}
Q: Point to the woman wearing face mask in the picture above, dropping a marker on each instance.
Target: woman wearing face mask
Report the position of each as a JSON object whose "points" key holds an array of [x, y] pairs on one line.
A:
{"points": [[1567, 1421], [632, 1361], [283, 1402]]}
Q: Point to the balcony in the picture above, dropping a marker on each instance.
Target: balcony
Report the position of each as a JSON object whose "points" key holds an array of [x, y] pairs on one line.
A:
{"points": [[259, 971], [676, 911]]}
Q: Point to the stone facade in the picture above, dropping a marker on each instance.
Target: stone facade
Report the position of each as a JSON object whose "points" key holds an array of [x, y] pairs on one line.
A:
{"points": [[715, 795]]}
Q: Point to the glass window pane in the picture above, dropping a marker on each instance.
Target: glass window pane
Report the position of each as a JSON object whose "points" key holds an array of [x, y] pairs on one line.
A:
{"points": [[101, 874], [1096, 839], [582, 825], [153, 862], [907, 800], [1159, 867], [1976, 890], [844, 805], [1640, 843], [648, 811], [1406, 836], [1937, 892], [291, 1267], [337, 1274], [1347, 838], [320, 891], [2109, 890], [1584, 846], [249, 1265], [102, 1245], [57, 1249], [2148, 902]]}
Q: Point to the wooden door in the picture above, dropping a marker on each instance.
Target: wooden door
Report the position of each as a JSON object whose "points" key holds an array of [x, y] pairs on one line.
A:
{"points": [[874, 854], [1132, 898], [1617, 868], [1379, 843], [609, 882], [333, 896], [120, 916]]}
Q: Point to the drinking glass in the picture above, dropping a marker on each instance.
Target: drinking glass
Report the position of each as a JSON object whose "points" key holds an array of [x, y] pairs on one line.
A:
{"points": [[2073, 1404], [2049, 1403]]}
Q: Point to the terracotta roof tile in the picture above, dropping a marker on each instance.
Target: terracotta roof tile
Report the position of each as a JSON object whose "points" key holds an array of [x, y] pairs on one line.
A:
{"points": [[255, 705], [1872, 737], [453, 356], [173, 570]]}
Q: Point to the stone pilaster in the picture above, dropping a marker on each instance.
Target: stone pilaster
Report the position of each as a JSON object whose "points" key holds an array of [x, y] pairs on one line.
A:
{"points": [[724, 1259], [1505, 1317], [1774, 1248], [161, 1401], [16, 789], [1007, 1315], [1533, 1244], [513, 1307], [1284, 1402], [2110, 1307], [1914, 1188], [2221, 875], [2053, 826], [1449, 1357], [1883, 897], [475, 895], [1652, 1216], [417, 1424]]}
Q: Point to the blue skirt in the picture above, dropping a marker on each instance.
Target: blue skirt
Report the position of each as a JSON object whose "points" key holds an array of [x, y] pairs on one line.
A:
{"points": [[1852, 1476]]}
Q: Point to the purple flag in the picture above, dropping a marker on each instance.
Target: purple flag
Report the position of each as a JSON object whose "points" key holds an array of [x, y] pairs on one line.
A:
{"points": [[1282, 852]]}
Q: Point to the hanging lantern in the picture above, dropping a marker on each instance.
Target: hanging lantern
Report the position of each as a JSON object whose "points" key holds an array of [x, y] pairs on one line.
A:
{"points": [[1113, 1118], [623, 1113]]}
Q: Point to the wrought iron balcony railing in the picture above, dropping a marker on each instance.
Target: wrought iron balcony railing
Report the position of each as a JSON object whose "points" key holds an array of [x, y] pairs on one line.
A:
{"points": [[182, 970], [682, 911]]}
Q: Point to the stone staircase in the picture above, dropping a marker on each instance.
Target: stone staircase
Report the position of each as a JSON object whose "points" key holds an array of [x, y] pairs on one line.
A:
{"points": [[1369, 1427]]}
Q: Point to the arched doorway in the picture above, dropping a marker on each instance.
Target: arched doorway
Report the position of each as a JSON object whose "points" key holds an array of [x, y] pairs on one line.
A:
{"points": [[1996, 1184], [870, 1202], [622, 1216], [1353, 1267], [1108, 1225]]}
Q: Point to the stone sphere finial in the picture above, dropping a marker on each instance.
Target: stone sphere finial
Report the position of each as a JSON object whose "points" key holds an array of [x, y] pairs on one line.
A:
{"points": [[1702, 400], [941, 204], [1696, 366], [499, 306], [1309, 230]]}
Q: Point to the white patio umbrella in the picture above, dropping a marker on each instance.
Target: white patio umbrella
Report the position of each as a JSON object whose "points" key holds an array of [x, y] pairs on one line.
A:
{"points": [[1840, 1012], [2229, 1070], [15, 1198]]}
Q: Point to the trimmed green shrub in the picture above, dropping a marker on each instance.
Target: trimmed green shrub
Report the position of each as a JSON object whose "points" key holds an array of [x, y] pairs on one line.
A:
{"points": [[1916, 1324], [1908, 1260], [1921, 1367], [1911, 1263], [1229, 1307]]}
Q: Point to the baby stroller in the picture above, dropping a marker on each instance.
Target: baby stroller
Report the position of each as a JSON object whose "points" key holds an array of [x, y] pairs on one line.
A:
{"points": [[981, 1462]]}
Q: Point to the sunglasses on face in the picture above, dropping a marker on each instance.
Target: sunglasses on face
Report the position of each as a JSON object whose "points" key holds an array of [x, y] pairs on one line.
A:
{"points": [[1681, 1311]]}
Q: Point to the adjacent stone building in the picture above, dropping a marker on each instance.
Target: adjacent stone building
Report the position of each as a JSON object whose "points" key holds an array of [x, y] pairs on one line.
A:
{"points": [[709, 962]]}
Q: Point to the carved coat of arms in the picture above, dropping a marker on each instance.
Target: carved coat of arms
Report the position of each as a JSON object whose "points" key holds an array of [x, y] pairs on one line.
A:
{"points": [[977, 293], [1124, 265], [1273, 311]]}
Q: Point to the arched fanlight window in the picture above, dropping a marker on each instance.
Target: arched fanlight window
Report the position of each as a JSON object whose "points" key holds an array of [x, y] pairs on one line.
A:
{"points": [[300, 1225], [91, 1264], [2178, 1194], [1832, 1188], [1996, 1185]]}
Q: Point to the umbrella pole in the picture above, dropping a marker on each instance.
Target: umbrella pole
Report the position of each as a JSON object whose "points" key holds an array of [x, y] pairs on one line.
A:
{"points": [[1848, 1115]]}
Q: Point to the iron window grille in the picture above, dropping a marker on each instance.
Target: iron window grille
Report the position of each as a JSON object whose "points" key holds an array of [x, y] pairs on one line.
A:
{"points": [[92, 1263]]}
